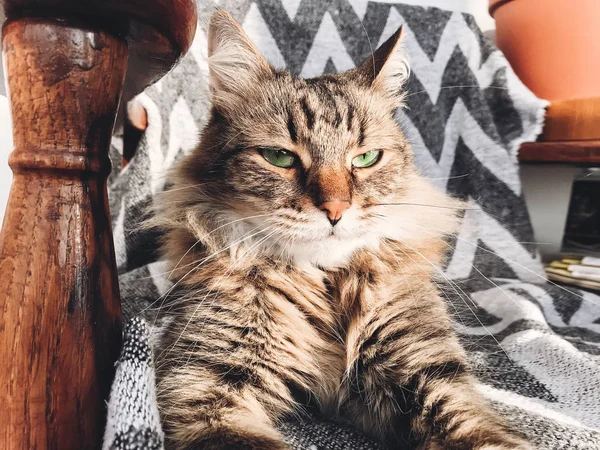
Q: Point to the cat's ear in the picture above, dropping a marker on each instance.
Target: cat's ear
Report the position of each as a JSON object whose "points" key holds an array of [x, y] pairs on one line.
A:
{"points": [[234, 61], [387, 68]]}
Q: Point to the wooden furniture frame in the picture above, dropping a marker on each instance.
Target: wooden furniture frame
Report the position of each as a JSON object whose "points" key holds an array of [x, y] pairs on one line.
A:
{"points": [[68, 63], [580, 153], [571, 135]]}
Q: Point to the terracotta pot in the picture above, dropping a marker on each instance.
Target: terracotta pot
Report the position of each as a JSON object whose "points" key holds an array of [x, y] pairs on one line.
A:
{"points": [[552, 45]]}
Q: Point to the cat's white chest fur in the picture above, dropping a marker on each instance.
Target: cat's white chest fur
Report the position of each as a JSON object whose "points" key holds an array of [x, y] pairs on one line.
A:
{"points": [[330, 252]]}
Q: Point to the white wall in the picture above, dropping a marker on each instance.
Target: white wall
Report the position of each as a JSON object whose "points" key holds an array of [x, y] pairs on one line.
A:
{"points": [[547, 190]]}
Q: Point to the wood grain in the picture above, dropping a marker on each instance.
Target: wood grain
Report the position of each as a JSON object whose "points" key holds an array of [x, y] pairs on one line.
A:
{"points": [[572, 120], [158, 32], [60, 325], [567, 152]]}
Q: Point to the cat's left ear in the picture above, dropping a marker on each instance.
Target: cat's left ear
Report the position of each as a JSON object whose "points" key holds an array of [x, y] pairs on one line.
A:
{"points": [[234, 61], [387, 68]]}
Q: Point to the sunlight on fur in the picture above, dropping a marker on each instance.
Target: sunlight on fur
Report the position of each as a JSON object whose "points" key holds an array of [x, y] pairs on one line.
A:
{"points": [[304, 249]]}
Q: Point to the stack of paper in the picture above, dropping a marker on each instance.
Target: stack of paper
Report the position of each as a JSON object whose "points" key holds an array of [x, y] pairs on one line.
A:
{"points": [[584, 272]]}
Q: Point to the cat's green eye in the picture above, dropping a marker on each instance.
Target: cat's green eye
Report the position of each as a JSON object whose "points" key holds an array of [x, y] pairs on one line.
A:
{"points": [[367, 159], [279, 158]]}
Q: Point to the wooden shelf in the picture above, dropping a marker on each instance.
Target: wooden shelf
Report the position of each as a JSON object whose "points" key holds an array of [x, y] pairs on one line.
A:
{"points": [[565, 152], [571, 134], [572, 120]]}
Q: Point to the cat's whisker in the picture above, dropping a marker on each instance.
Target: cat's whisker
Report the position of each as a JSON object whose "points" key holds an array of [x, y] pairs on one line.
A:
{"points": [[198, 264], [203, 261], [464, 86], [462, 294], [454, 285], [421, 204], [459, 208], [436, 283], [447, 178], [215, 294], [456, 208], [541, 277], [177, 266], [370, 46], [229, 269], [223, 146], [441, 290], [484, 276], [467, 261], [214, 230], [492, 282], [289, 243], [187, 201], [450, 208], [169, 191]]}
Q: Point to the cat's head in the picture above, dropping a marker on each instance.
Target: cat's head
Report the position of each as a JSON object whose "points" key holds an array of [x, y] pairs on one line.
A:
{"points": [[313, 169]]}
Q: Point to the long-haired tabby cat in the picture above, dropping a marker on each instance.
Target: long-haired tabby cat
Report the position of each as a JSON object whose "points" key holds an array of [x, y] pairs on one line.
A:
{"points": [[304, 244]]}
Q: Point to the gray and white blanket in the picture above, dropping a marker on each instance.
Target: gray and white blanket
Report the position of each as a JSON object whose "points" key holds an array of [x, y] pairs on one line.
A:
{"points": [[535, 346]]}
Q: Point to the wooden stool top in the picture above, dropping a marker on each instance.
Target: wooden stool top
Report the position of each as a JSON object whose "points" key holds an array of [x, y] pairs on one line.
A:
{"points": [[571, 134], [158, 32]]}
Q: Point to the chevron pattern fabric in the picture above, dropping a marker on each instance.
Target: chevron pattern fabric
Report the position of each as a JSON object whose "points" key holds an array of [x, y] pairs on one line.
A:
{"points": [[535, 346]]}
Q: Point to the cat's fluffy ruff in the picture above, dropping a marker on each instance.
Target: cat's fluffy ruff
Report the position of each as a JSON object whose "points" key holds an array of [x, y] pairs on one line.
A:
{"points": [[274, 307]]}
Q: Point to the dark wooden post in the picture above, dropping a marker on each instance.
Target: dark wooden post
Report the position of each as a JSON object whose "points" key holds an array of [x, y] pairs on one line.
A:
{"points": [[61, 320], [60, 317]]}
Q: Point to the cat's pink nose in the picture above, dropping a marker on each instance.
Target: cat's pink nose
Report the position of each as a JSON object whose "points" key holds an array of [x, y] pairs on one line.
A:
{"points": [[334, 209]]}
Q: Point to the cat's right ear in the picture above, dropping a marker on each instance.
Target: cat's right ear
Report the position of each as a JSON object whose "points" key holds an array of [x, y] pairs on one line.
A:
{"points": [[234, 61], [386, 69]]}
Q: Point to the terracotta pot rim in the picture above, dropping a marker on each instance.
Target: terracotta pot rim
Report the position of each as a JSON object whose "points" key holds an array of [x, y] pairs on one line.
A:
{"points": [[495, 4]]}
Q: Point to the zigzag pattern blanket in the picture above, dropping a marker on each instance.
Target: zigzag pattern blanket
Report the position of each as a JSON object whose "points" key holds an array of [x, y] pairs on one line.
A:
{"points": [[535, 346]]}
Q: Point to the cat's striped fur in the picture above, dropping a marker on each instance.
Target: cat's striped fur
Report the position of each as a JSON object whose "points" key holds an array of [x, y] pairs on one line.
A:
{"points": [[276, 310]]}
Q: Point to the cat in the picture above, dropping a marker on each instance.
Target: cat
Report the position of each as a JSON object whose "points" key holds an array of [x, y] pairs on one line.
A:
{"points": [[304, 246]]}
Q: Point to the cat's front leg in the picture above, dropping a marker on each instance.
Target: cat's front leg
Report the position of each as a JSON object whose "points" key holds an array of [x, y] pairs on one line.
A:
{"points": [[200, 411], [408, 384], [230, 360], [454, 416], [219, 384]]}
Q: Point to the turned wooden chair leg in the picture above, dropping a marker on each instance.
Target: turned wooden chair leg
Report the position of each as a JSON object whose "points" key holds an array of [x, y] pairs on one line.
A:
{"points": [[60, 316], [60, 325]]}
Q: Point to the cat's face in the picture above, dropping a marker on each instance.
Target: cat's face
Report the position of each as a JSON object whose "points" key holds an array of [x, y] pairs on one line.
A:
{"points": [[311, 164]]}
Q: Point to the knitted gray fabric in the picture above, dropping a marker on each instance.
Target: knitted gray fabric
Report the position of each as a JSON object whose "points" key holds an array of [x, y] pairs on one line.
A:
{"points": [[467, 115], [133, 420]]}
